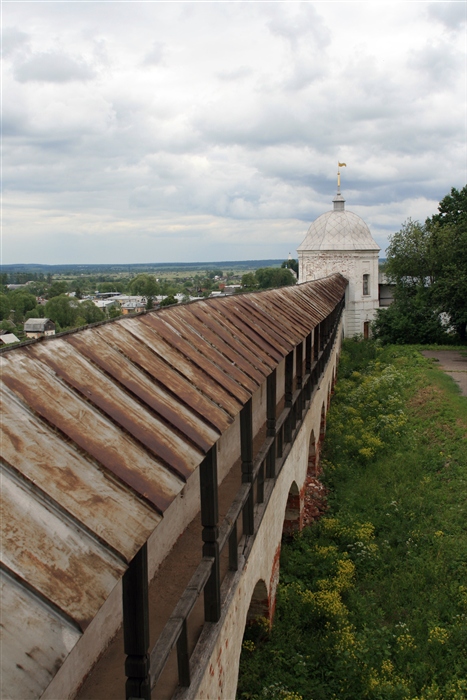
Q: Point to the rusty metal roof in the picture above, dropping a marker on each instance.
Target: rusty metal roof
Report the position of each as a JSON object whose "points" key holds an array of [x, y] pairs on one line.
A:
{"points": [[100, 430]]}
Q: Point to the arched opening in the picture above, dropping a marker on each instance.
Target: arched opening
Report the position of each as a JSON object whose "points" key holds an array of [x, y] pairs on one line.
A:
{"points": [[259, 605], [322, 426], [292, 518], [312, 456]]}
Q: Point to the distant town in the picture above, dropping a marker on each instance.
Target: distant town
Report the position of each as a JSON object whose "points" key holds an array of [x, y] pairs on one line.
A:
{"points": [[41, 300]]}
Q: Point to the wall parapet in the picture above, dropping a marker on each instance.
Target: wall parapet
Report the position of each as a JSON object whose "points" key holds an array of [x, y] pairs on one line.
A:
{"points": [[303, 372]]}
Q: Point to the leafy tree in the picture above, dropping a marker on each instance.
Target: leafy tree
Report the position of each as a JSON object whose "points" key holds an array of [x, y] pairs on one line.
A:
{"points": [[410, 260], [268, 277], [115, 312], [112, 287], [144, 285], [90, 312], [449, 246], [21, 302], [410, 319], [168, 301], [249, 281], [428, 265], [57, 288], [64, 310], [5, 306], [291, 264], [36, 312]]}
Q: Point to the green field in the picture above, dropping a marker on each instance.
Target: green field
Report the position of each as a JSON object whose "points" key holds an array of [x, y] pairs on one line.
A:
{"points": [[372, 601]]}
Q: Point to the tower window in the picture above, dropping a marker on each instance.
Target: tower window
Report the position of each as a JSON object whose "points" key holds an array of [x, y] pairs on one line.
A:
{"points": [[366, 285]]}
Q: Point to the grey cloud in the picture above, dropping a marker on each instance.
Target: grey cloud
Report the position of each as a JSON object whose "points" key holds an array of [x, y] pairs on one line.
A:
{"points": [[155, 56], [52, 67], [439, 64], [305, 24], [452, 14], [236, 74], [12, 40]]}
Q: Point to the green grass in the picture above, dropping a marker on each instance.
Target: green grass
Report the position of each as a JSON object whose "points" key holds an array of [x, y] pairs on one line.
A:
{"points": [[372, 601]]}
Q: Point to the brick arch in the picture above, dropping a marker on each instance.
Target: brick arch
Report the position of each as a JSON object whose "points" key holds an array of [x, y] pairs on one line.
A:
{"points": [[259, 604], [313, 455], [322, 425], [293, 511]]}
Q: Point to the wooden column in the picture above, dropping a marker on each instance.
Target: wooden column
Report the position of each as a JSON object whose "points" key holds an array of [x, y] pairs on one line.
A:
{"points": [[316, 342], [271, 400], [136, 627], [308, 363], [246, 439], [288, 396], [210, 534], [299, 380]]}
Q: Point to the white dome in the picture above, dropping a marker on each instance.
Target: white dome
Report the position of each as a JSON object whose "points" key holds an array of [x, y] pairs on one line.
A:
{"points": [[338, 230]]}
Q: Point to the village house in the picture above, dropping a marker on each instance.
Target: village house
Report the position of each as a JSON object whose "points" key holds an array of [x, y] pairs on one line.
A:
{"points": [[133, 307], [6, 338], [37, 327]]}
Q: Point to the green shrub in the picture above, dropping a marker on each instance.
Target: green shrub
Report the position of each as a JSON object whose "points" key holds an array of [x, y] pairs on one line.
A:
{"points": [[372, 600]]}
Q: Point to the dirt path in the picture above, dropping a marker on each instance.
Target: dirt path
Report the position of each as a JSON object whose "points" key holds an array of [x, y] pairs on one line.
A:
{"points": [[453, 363]]}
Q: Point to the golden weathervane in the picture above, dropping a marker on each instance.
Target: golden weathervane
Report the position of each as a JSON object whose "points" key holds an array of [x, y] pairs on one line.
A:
{"points": [[340, 165]]}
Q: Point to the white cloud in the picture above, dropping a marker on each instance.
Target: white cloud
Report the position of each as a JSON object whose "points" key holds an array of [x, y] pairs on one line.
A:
{"points": [[198, 129], [52, 67]]}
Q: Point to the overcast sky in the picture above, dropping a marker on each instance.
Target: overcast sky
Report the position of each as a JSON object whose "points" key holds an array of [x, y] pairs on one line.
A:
{"points": [[189, 131]]}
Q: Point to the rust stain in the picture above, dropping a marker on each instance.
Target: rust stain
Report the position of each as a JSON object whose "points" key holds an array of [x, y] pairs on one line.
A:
{"points": [[126, 374], [198, 353], [166, 375], [114, 418]]}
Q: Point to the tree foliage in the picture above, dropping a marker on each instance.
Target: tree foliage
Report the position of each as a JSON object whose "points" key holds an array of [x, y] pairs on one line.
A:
{"points": [[267, 277], [428, 265], [64, 310], [291, 264], [144, 285]]}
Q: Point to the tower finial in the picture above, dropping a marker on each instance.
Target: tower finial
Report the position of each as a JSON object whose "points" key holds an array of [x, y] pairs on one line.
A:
{"points": [[339, 165]]}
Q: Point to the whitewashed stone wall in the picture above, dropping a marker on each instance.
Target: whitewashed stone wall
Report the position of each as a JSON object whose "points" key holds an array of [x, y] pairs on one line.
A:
{"points": [[220, 664], [359, 308]]}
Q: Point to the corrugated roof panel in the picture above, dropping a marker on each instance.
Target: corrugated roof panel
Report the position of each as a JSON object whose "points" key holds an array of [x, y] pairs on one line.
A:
{"points": [[59, 561], [234, 355], [96, 425], [185, 323], [199, 353], [268, 326], [267, 355], [104, 393], [260, 333], [94, 433], [161, 372], [114, 513], [129, 376], [194, 375], [35, 642], [238, 342]]}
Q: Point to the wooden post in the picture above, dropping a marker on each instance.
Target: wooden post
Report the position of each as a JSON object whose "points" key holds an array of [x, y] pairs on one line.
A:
{"points": [[288, 396], [233, 549], [316, 342], [271, 389], [183, 658], [209, 521], [136, 626], [246, 440], [308, 363], [299, 379]]}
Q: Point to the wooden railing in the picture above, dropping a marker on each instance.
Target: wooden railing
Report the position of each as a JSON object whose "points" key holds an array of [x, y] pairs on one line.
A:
{"points": [[143, 669]]}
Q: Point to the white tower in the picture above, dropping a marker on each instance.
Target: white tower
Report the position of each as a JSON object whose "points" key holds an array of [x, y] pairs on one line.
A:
{"points": [[340, 241]]}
